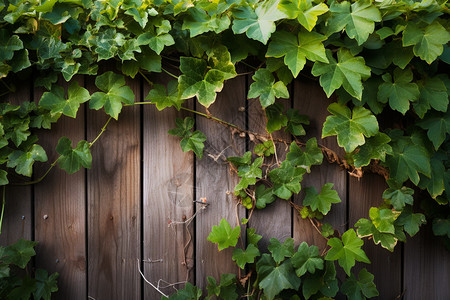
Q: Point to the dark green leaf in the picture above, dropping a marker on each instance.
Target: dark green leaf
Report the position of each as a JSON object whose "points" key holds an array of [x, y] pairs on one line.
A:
{"points": [[307, 259], [242, 257], [361, 288], [321, 202], [281, 251], [71, 160]]}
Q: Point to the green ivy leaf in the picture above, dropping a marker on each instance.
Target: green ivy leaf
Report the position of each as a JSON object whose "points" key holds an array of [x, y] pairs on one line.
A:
{"points": [[398, 197], [8, 45], [19, 253], [304, 10], [433, 94], [263, 196], [71, 160], [191, 140], [400, 91], [348, 71], [327, 230], [367, 228], [305, 159], [296, 49], [245, 160], [281, 251], [242, 257], [375, 147], [23, 161], [362, 288], [163, 99], [157, 39], [350, 127], [258, 24], [264, 149], [3, 179], [115, 94], [200, 21], [249, 174], [441, 227], [306, 259], [276, 278], [435, 183], [323, 281], [383, 219], [295, 121], [266, 88], [107, 43], [410, 221], [223, 235], [276, 119], [347, 251], [358, 19], [286, 180], [321, 202], [225, 290], [252, 237], [189, 292], [437, 126], [427, 41], [57, 104], [24, 290], [45, 285]]}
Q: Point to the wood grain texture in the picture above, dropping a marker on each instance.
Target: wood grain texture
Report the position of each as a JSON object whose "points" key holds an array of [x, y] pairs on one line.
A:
{"points": [[310, 99], [168, 198], [60, 212], [215, 181], [385, 266], [426, 267], [17, 217], [114, 204], [267, 221]]}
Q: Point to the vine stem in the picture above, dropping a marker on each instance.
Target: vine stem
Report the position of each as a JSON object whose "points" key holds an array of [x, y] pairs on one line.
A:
{"points": [[3, 207], [168, 73], [7, 86], [210, 117], [101, 132], [145, 77]]}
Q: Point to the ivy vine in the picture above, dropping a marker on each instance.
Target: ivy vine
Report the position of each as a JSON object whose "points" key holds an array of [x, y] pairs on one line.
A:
{"points": [[385, 60]]}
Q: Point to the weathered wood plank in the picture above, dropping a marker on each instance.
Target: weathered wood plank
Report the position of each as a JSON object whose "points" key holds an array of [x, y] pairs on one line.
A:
{"points": [[168, 200], [114, 204], [386, 266], [17, 217], [310, 100], [280, 228], [60, 213], [426, 267], [215, 182]]}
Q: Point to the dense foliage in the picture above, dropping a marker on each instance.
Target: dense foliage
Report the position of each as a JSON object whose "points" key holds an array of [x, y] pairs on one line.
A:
{"points": [[385, 60]]}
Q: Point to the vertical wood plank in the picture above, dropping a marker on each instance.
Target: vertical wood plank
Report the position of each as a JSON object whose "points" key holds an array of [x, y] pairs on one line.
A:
{"points": [[114, 204], [168, 199], [426, 267], [279, 213], [385, 266], [17, 217], [215, 182], [60, 213], [311, 100]]}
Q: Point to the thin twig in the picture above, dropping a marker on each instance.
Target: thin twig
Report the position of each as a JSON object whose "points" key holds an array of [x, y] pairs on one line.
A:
{"points": [[145, 279], [145, 77], [170, 74]]}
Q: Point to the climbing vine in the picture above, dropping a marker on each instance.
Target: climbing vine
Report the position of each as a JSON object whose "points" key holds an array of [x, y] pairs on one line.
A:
{"points": [[385, 60]]}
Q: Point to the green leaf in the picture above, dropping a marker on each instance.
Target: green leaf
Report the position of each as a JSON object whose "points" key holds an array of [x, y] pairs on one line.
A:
{"points": [[265, 149], [26, 287], [45, 285], [71, 160], [115, 94], [375, 147], [23, 161], [295, 121], [242, 257], [437, 126], [323, 281], [441, 227], [157, 39], [306, 259], [249, 174], [189, 292], [191, 140], [245, 160], [252, 237], [348, 71], [3, 177], [266, 88], [296, 49], [433, 94], [19, 253], [276, 119], [321, 202], [383, 219], [197, 81], [347, 251], [8, 45], [223, 235], [350, 127], [225, 290], [435, 183], [286, 180], [281, 251], [276, 278], [304, 10], [361, 288], [428, 41], [163, 99], [263, 196], [399, 196], [410, 221], [327, 230], [358, 19], [312, 155], [107, 43], [200, 21], [367, 228], [400, 91], [258, 24], [56, 102]]}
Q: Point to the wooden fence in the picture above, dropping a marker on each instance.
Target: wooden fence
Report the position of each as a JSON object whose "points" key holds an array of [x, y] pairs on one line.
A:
{"points": [[94, 226]]}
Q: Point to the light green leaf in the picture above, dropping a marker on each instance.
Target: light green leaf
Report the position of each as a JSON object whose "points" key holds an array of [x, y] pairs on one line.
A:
{"points": [[347, 251], [307, 259], [383, 219], [321, 202], [348, 71], [252, 237], [304, 10], [249, 174], [358, 19], [157, 39], [400, 91], [199, 21], [163, 99], [191, 140], [361, 288], [375, 147], [223, 235], [115, 94], [55, 100], [296, 49], [350, 127], [266, 88], [367, 228], [71, 160], [248, 256], [23, 161]]}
